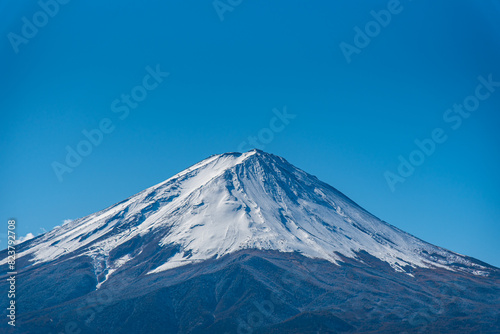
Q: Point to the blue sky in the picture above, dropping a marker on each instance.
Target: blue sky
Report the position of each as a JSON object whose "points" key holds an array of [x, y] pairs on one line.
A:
{"points": [[231, 69]]}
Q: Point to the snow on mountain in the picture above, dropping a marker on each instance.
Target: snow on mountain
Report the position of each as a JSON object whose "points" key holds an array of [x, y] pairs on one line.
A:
{"points": [[235, 201]]}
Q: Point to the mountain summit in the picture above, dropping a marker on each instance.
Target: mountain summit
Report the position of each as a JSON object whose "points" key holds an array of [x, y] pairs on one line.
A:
{"points": [[208, 245], [233, 201]]}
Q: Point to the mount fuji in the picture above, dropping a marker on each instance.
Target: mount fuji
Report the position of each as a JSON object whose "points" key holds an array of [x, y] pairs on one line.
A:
{"points": [[246, 243]]}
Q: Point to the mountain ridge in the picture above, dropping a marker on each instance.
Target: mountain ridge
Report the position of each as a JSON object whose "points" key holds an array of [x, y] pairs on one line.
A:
{"points": [[245, 243], [238, 201]]}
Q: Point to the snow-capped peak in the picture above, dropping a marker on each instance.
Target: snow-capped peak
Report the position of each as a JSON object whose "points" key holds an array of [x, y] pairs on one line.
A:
{"points": [[236, 201]]}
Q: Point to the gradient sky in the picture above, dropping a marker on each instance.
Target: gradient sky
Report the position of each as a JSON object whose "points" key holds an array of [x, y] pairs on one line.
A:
{"points": [[353, 120]]}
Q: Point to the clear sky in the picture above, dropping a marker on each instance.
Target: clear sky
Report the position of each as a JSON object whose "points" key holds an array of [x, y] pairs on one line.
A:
{"points": [[362, 86]]}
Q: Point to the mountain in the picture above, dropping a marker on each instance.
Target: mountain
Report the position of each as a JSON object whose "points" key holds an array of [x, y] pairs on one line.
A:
{"points": [[246, 243]]}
